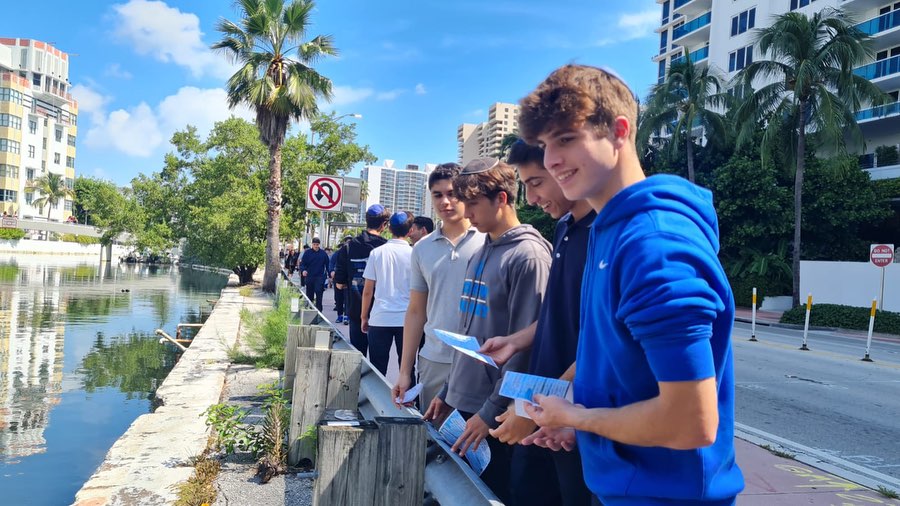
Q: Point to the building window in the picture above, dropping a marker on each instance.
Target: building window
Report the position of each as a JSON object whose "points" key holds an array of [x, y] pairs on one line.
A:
{"points": [[10, 146], [70, 183], [740, 58], [10, 95], [29, 174], [32, 126], [68, 205], [743, 22], [44, 143], [59, 134], [29, 198], [9, 171], [663, 41], [31, 151], [665, 12], [796, 4], [56, 158], [70, 162], [71, 140], [8, 120], [8, 195]]}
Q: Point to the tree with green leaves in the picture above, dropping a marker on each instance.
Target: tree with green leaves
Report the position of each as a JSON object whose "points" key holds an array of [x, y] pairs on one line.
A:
{"points": [[51, 188], [277, 80], [689, 99], [810, 86]]}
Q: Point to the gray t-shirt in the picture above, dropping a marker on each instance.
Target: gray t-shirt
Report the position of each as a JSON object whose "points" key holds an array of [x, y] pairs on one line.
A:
{"points": [[439, 269]]}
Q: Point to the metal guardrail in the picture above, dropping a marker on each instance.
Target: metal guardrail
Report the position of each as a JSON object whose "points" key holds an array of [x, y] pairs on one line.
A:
{"points": [[448, 479]]}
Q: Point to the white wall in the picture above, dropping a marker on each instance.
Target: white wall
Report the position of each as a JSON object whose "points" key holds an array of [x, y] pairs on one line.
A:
{"points": [[30, 247], [850, 283]]}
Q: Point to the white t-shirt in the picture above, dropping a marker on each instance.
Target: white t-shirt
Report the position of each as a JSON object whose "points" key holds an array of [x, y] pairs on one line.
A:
{"points": [[389, 267]]}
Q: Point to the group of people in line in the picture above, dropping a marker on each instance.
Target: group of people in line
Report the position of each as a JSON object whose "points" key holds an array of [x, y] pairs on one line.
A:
{"points": [[630, 303]]}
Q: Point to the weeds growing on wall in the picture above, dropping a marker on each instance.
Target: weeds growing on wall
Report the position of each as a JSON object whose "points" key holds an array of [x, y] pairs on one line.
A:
{"points": [[267, 331]]}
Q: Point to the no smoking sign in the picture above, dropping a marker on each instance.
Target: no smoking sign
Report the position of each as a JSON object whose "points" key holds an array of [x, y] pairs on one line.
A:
{"points": [[324, 193]]}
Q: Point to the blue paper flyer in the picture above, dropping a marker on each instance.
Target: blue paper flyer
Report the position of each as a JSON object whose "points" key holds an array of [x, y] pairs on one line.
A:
{"points": [[453, 427], [467, 345], [522, 388]]}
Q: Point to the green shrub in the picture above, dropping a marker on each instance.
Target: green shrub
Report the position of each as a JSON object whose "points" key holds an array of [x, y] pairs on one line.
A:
{"points": [[80, 239], [11, 234], [886, 155], [742, 288], [267, 331], [845, 317]]}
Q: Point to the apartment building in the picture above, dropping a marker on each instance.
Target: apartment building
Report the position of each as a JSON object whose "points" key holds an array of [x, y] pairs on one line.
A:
{"points": [[398, 189], [720, 35], [476, 140], [38, 124]]}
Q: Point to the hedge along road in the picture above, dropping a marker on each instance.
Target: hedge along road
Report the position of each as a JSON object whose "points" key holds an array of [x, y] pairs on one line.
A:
{"points": [[826, 398]]}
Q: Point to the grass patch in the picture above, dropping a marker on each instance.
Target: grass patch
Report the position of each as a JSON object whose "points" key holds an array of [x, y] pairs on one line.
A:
{"points": [[11, 234], [886, 492], [779, 453], [245, 291], [200, 488], [267, 331]]}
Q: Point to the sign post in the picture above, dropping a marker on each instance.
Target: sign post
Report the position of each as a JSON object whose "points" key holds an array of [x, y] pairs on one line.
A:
{"points": [[324, 193], [881, 255]]}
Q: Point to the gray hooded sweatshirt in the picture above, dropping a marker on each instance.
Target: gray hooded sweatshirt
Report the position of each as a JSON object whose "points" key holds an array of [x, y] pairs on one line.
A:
{"points": [[502, 294]]}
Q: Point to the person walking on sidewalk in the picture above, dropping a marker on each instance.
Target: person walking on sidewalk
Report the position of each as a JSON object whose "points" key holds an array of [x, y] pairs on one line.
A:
{"points": [[339, 293], [386, 292], [314, 268], [439, 262], [349, 268], [654, 376]]}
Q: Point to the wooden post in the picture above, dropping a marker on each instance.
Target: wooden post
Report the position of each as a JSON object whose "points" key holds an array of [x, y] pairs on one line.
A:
{"points": [[290, 358], [348, 450], [307, 402], [343, 380], [400, 468]]}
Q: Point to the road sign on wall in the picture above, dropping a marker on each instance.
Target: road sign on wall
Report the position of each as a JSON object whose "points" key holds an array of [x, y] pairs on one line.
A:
{"points": [[324, 193], [881, 254]]}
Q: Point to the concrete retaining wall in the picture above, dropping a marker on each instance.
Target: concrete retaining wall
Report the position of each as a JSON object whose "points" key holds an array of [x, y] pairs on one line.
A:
{"points": [[31, 247], [144, 466], [850, 283]]}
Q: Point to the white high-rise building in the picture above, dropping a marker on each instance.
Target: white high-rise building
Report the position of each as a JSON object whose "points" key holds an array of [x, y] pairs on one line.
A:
{"points": [[38, 124], [398, 189], [484, 139], [720, 34]]}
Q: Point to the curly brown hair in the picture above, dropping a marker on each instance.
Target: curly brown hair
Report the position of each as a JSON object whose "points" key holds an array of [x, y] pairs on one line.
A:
{"points": [[490, 183], [575, 95]]}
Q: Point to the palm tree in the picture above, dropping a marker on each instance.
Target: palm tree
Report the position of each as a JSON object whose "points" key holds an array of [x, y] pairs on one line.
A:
{"points": [[811, 88], [277, 80], [506, 144], [689, 98], [52, 188]]}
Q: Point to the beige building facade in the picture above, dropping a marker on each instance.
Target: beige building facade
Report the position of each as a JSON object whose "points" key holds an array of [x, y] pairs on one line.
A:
{"points": [[476, 140]]}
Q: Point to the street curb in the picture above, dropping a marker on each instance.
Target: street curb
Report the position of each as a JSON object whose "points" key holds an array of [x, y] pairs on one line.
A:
{"points": [[810, 456], [788, 325]]}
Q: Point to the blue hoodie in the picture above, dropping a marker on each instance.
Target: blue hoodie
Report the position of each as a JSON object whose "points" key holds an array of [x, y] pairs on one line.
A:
{"points": [[656, 307]]}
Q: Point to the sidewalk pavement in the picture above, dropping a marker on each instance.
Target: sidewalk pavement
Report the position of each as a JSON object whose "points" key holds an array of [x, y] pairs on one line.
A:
{"points": [[769, 480]]}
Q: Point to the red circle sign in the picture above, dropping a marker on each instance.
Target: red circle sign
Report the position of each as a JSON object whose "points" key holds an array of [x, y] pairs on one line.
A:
{"points": [[881, 255], [324, 193]]}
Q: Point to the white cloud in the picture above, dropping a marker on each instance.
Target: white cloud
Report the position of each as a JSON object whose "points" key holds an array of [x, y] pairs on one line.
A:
{"points": [[634, 25], [390, 95], [344, 95], [90, 101], [169, 35], [116, 71], [139, 131], [420, 89]]}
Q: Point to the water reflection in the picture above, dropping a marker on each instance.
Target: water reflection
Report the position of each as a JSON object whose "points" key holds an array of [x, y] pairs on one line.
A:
{"points": [[79, 361]]}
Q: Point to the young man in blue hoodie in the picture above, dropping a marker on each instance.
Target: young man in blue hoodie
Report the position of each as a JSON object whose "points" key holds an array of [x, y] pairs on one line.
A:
{"points": [[654, 380]]}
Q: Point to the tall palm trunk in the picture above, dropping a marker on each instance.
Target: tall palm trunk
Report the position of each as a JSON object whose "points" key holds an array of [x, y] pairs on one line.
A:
{"points": [[690, 157], [273, 197], [798, 198]]}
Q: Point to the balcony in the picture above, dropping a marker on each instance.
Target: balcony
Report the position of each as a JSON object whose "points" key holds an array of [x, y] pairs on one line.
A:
{"points": [[694, 33], [860, 5], [692, 7], [882, 29], [696, 56], [881, 111], [885, 73]]}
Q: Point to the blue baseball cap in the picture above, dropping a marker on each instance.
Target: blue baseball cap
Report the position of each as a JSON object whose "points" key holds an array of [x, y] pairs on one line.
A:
{"points": [[399, 218], [375, 210]]}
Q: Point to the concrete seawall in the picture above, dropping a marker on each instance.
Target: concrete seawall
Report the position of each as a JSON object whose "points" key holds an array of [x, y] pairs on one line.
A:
{"points": [[154, 454]]}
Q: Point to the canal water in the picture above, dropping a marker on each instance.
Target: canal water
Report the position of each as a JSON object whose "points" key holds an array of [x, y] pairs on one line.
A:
{"points": [[79, 361]]}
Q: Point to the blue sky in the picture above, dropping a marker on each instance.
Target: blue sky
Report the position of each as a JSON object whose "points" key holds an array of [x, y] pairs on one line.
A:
{"points": [[415, 69]]}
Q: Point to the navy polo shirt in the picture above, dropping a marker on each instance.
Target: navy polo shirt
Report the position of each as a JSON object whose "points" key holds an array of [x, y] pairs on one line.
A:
{"points": [[556, 337]]}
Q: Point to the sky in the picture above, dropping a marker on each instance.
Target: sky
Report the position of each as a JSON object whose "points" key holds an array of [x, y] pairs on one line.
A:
{"points": [[414, 69]]}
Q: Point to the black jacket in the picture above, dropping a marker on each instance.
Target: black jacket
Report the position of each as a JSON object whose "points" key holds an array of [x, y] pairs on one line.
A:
{"points": [[349, 268]]}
